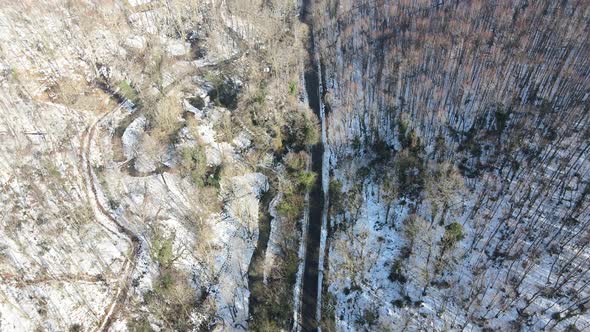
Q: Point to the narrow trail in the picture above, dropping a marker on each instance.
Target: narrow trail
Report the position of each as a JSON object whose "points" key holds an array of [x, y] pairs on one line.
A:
{"points": [[16, 280], [93, 188]]}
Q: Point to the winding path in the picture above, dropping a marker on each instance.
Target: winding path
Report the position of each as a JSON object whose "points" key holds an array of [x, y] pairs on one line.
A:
{"points": [[93, 189]]}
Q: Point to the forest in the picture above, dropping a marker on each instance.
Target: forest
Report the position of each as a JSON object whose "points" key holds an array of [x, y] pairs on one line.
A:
{"points": [[302, 165]]}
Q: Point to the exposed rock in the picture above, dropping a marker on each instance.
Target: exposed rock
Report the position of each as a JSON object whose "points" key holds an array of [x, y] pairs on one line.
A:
{"points": [[131, 138]]}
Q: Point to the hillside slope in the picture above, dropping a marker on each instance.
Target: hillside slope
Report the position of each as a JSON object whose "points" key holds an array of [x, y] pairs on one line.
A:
{"points": [[459, 135]]}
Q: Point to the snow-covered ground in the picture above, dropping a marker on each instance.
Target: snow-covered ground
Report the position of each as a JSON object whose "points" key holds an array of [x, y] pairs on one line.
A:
{"points": [[500, 276], [60, 262], [64, 258]]}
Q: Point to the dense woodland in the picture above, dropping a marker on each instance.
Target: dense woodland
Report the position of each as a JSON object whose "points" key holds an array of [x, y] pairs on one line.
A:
{"points": [[478, 113], [156, 164]]}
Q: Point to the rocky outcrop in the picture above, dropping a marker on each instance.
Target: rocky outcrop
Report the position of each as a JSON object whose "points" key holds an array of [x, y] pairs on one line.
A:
{"points": [[118, 214]]}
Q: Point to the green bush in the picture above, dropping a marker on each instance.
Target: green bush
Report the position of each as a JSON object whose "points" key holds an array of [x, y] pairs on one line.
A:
{"points": [[259, 98], [75, 328], [164, 119], [304, 128], [396, 274], [411, 228], [162, 249], [453, 234], [296, 161], [193, 163], [501, 120], [335, 190], [306, 180], [291, 206], [127, 91], [356, 143], [214, 178], [225, 93], [172, 299], [369, 317], [312, 132], [382, 150], [140, 324], [165, 281], [273, 309], [410, 173], [440, 145], [293, 88]]}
